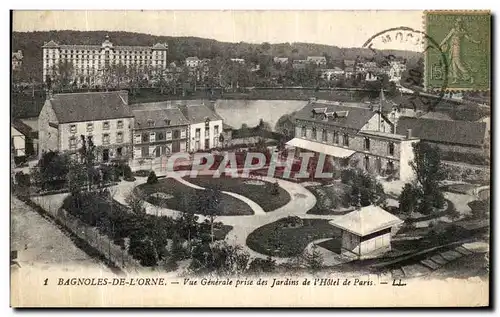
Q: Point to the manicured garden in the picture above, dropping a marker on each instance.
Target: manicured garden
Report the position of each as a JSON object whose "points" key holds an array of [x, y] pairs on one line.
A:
{"points": [[333, 199], [289, 236], [267, 195], [183, 198]]}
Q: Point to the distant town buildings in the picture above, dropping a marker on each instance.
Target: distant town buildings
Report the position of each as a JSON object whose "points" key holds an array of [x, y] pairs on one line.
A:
{"points": [[17, 60], [318, 60], [193, 62], [280, 60], [332, 73], [238, 60], [88, 62], [396, 69]]}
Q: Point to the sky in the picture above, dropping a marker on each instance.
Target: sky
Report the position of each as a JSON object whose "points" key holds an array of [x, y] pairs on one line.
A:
{"points": [[340, 28]]}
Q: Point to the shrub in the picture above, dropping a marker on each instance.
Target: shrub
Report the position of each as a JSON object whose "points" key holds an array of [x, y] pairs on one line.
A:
{"points": [[22, 179], [273, 188], [347, 175], [262, 265], [292, 221], [141, 173], [152, 179]]}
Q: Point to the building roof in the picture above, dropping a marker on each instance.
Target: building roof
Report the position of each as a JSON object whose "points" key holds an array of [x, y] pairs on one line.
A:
{"points": [[158, 115], [198, 113], [366, 220], [50, 44], [349, 62], [347, 116], [444, 131], [192, 58], [90, 106], [160, 46], [320, 148], [316, 58]]}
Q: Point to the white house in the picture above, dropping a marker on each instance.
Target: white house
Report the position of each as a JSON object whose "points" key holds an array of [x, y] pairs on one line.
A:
{"points": [[193, 62], [105, 117], [18, 141], [205, 126], [396, 70]]}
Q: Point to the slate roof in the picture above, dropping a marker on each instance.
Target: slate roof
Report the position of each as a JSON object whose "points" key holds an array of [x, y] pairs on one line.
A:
{"points": [[356, 117], [90, 106], [197, 113], [157, 112], [444, 131], [366, 220]]}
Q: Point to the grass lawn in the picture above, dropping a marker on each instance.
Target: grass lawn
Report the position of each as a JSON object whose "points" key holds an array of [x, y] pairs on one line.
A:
{"points": [[184, 198], [275, 240], [331, 200], [333, 245], [259, 193]]}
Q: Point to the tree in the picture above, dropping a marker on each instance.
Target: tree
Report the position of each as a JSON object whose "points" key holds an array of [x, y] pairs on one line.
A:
{"points": [[135, 200], [429, 173], [313, 259], [208, 204], [408, 200], [365, 188], [259, 265], [52, 168], [159, 79], [63, 74], [152, 179], [77, 177], [220, 258]]}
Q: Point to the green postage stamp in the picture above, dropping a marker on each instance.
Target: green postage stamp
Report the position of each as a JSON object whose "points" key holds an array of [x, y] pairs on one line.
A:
{"points": [[457, 54]]}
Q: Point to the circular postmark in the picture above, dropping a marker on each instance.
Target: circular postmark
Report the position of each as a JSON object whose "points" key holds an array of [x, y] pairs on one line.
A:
{"points": [[387, 44]]}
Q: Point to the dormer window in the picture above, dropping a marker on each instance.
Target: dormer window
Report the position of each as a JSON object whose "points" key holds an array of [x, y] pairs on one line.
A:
{"points": [[151, 123], [167, 121]]}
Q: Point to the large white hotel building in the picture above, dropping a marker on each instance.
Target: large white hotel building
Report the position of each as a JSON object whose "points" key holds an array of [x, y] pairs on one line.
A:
{"points": [[89, 61]]}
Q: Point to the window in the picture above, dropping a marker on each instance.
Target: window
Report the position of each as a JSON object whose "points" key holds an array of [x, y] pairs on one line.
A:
{"points": [[105, 139], [161, 136], [207, 123], [324, 135], [152, 137], [207, 133], [167, 121], [345, 139], [72, 128], [314, 134], [216, 130], [197, 134], [72, 143], [105, 125], [119, 137], [303, 132], [367, 144], [145, 137], [119, 124], [367, 163], [391, 148], [169, 135], [138, 138], [183, 133], [335, 137]]}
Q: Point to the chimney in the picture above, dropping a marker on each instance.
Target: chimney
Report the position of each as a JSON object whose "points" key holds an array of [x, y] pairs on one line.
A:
{"points": [[408, 134]]}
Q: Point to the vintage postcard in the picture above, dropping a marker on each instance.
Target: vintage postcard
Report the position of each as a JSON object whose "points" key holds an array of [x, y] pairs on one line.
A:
{"points": [[250, 158]]}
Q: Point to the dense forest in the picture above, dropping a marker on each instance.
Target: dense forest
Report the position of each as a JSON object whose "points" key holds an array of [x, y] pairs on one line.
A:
{"points": [[181, 47]]}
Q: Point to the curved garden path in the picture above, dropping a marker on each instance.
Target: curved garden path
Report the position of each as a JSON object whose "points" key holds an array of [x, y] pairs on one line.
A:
{"points": [[301, 201]]}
